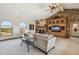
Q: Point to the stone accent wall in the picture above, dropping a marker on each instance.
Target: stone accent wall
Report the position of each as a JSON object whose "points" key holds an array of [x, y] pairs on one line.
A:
{"points": [[70, 13], [72, 16]]}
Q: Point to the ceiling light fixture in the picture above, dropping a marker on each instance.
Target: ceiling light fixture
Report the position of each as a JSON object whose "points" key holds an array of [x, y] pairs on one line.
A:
{"points": [[55, 6]]}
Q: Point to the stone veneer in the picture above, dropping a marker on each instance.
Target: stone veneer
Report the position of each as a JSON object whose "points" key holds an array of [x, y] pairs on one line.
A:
{"points": [[72, 15]]}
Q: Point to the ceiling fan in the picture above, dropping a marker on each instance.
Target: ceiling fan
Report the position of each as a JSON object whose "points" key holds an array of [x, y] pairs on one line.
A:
{"points": [[55, 6]]}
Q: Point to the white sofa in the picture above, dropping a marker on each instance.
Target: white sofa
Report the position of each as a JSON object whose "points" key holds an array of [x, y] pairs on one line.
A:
{"points": [[45, 42]]}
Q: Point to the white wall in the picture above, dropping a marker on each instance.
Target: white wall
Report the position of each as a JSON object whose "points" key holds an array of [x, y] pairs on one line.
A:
{"points": [[22, 12], [26, 11], [16, 23]]}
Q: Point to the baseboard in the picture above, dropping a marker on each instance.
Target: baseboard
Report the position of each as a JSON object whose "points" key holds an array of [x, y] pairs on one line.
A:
{"points": [[46, 53], [10, 39]]}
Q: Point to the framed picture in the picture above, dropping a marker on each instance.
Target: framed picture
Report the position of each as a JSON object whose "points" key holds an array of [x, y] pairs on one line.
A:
{"points": [[31, 27]]}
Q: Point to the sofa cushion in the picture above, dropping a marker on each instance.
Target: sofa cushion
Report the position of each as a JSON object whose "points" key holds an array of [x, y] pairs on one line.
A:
{"points": [[44, 43]]}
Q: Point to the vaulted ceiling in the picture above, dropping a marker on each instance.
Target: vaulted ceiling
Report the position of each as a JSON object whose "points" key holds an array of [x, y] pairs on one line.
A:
{"points": [[70, 5], [29, 11]]}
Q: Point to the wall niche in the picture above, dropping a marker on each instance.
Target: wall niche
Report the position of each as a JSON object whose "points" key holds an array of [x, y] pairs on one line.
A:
{"points": [[41, 26]]}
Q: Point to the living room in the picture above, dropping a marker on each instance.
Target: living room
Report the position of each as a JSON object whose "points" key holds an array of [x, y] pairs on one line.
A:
{"points": [[53, 26]]}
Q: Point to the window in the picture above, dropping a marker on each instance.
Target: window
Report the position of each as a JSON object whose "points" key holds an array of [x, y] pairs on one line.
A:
{"points": [[6, 28], [23, 27]]}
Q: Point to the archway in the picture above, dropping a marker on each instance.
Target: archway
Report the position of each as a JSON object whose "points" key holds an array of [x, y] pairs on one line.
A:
{"points": [[23, 27], [6, 28]]}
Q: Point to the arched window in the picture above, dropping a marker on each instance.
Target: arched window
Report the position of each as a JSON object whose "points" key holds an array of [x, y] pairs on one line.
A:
{"points": [[6, 28], [23, 27]]}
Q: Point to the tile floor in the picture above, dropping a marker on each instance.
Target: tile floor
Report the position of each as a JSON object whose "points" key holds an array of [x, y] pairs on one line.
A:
{"points": [[63, 47]]}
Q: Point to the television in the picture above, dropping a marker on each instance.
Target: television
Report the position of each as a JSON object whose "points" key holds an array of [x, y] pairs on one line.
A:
{"points": [[56, 28]]}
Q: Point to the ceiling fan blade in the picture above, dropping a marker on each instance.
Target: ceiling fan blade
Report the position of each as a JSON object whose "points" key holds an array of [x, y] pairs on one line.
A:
{"points": [[51, 11], [48, 10], [49, 6], [61, 9], [57, 5]]}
